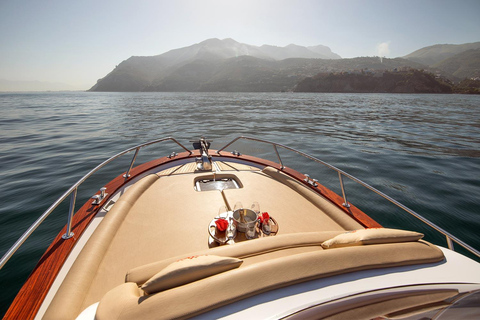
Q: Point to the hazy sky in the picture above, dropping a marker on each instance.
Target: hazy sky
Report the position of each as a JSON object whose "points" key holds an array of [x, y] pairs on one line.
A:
{"points": [[78, 42]]}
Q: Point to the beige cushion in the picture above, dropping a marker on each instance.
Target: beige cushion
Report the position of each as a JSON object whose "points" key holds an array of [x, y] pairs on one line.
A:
{"points": [[189, 269], [371, 236], [225, 288], [242, 250]]}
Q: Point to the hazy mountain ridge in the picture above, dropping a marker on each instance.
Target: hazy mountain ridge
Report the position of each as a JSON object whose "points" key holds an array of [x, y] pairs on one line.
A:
{"points": [[294, 51], [227, 65], [139, 73]]}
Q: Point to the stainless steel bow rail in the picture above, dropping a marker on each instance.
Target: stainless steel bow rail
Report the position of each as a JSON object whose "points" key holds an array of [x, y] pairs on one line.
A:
{"points": [[72, 192], [450, 238]]}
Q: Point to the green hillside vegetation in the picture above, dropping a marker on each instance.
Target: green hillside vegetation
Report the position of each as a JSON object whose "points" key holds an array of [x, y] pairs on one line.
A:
{"points": [[432, 55], [412, 81], [462, 65], [468, 86]]}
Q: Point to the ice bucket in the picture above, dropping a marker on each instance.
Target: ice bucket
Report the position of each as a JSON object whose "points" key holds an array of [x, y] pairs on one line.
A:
{"points": [[250, 218]]}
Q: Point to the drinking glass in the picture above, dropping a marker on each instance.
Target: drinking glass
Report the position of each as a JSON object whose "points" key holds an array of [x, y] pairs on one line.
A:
{"points": [[237, 206], [222, 212], [251, 230], [255, 207]]}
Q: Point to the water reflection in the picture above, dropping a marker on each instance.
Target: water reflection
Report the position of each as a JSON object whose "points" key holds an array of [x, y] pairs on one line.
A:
{"points": [[415, 124]]}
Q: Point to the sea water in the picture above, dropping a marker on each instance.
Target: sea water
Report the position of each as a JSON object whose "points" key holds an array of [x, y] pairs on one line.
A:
{"points": [[423, 150]]}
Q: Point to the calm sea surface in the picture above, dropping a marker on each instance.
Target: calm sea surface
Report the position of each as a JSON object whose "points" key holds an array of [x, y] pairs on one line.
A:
{"points": [[423, 150]]}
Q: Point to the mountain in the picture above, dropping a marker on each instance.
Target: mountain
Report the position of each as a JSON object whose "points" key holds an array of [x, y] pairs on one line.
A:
{"points": [[227, 65], [324, 50], [462, 65], [213, 49], [432, 55], [137, 73]]}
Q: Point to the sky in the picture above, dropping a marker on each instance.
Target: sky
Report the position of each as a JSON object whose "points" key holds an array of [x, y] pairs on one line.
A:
{"points": [[79, 42]]}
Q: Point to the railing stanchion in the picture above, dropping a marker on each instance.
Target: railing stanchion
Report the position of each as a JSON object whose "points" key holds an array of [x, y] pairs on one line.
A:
{"points": [[450, 243], [278, 155], [73, 198], [345, 204], [228, 144], [127, 175]]}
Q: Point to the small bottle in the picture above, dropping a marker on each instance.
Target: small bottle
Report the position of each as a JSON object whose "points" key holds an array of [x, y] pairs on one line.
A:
{"points": [[242, 216], [231, 230]]}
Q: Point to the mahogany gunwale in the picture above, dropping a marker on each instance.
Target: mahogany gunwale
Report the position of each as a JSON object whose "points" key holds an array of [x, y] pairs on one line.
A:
{"points": [[30, 297]]}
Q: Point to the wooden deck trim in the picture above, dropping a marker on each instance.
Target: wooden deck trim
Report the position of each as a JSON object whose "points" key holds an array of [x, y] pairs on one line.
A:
{"points": [[30, 297]]}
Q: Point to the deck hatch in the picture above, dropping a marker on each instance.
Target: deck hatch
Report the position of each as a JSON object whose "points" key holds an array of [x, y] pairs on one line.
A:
{"points": [[217, 182]]}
